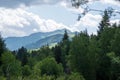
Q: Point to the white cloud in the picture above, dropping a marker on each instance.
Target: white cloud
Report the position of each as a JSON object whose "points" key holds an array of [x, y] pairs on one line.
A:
{"points": [[113, 2], [9, 17], [19, 22], [89, 22], [117, 21], [11, 32], [35, 30]]}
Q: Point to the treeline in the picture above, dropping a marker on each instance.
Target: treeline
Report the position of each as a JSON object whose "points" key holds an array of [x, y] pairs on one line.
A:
{"points": [[85, 57]]}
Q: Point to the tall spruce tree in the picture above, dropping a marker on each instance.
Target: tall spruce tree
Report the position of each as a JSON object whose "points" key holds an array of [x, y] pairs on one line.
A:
{"points": [[78, 54], [104, 22], [22, 55], [65, 37], [65, 47], [57, 53], [105, 35], [2, 48]]}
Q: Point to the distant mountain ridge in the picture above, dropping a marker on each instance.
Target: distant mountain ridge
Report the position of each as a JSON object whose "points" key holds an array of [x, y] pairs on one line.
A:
{"points": [[48, 40], [35, 40]]}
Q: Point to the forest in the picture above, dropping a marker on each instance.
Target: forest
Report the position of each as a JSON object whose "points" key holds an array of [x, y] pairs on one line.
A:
{"points": [[85, 57]]}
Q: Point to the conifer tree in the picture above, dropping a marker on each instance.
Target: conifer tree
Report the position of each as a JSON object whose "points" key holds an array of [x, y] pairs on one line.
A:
{"points": [[2, 48], [22, 55], [104, 22]]}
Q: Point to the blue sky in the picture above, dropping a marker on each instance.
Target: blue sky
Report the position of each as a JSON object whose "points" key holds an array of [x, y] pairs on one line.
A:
{"points": [[55, 12], [24, 17]]}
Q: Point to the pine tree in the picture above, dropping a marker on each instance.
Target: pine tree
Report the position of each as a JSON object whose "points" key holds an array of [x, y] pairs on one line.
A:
{"points": [[92, 56], [78, 60], [57, 54], [65, 37], [2, 48], [22, 55], [104, 22], [65, 47], [105, 35]]}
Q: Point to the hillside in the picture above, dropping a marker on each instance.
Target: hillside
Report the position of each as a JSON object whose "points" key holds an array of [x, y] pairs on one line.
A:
{"points": [[35, 40]]}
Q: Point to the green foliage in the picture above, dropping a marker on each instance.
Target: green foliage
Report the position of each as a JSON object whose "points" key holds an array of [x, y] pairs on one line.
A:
{"points": [[78, 52], [31, 62], [83, 57], [92, 57], [105, 40], [26, 71], [2, 48], [42, 53], [2, 45], [104, 22], [65, 37], [48, 66], [11, 66], [61, 51], [72, 76], [115, 43], [2, 78], [115, 65], [22, 55], [57, 53], [76, 76], [104, 44], [44, 77], [105, 36]]}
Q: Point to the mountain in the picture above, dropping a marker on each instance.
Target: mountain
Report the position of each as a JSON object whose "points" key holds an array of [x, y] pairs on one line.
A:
{"points": [[48, 40], [35, 40]]}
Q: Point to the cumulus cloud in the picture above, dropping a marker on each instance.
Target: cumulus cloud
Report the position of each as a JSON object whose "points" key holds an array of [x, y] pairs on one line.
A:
{"points": [[113, 2], [19, 22], [117, 21], [89, 22]]}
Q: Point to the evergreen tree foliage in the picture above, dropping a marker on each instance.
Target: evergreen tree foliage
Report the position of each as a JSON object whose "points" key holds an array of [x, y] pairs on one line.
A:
{"points": [[57, 53], [115, 65], [22, 55], [78, 53], [2, 48], [93, 57], [115, 43], [65, 37], [104, 22], [105, 35]]}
